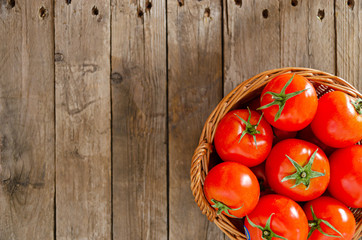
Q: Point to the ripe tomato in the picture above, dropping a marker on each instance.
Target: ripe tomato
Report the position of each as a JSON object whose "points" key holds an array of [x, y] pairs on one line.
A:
{"points": [[297, 169], [338, 122], [243, 136], [275, 217], [308, 135], [346, 175], [232, 188], [289, 102], [259, 172], [329, 220]]}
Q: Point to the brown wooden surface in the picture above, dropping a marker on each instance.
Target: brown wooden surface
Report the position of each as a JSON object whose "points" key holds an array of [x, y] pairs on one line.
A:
{"points": [[102, 103], [139, 120], [27, 121], [194, 89], [349, 41], [83, 120]]}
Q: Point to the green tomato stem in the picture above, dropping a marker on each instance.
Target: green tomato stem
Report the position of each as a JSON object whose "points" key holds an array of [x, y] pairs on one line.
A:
{"points": [[357, 105], [249, 128], [303, 175], [267, 232], [221, 207], [281, 98], [315, 225]]}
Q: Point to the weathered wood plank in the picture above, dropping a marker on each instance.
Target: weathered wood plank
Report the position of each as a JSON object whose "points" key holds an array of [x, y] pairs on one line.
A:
{"points": [[322, 36], [139, 120], [83, 117], [349, 41], [252, 39], [195, 87], [307, 34], [27, 120]]}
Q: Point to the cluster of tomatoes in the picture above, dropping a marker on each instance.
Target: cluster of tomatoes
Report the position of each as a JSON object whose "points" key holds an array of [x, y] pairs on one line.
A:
{"points": [[288, 146]]}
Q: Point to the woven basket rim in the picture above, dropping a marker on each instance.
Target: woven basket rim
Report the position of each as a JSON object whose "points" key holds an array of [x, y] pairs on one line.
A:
{"points": [[200, 159]]}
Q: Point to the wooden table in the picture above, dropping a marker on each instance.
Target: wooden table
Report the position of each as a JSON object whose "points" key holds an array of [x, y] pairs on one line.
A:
{"points": [[102, 103]]}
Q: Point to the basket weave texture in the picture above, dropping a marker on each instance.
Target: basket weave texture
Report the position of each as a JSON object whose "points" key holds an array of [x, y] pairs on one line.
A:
{"points": [[247, 90]]}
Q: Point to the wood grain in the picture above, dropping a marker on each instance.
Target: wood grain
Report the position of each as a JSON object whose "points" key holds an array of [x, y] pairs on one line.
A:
{"points": [[83, 120], [349, 41], [195, 87], [27, 120], [252, 39], [139, 120], [308, 34]]}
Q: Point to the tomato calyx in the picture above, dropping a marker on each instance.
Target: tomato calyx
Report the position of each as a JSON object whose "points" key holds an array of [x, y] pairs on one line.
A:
{"points": [[357, 105], [315, 225], [221, 207], [268, 233], [249, 128], [281, 98], [303, 175]]}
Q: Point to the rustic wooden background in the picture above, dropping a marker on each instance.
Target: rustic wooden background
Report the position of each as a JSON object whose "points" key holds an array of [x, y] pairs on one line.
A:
{"points": [[102, 103]]}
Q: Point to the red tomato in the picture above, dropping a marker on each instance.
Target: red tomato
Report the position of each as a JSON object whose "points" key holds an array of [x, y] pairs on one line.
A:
{"points": [[239, 137], [289, 102], [282, 135], [338, 123], [232, 188], [259, 172], [279, 217], [346, 175], [308, 135], [329, 217], [297, 169]]}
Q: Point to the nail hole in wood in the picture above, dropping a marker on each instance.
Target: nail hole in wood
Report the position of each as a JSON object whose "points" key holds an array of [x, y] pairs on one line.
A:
{"points": [[180, 3], [116, 78], [321, 14], [58, 57], [148, 5], [239, 2], [95, 11], [207, 12], [43, 12], [11, 4], [139, 12], [265, 13], [68, 2], [350, 4], [294, 3]]}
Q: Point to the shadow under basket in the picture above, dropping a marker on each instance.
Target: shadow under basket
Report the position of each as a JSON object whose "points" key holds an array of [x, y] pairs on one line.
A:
{"points": [[203, 158]]}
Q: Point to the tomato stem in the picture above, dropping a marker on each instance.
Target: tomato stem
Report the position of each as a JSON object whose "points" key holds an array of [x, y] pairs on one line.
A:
{"points": [[249, 128], [281, 98], [315, 225], [221, 207], [303, 175], [357, 105], [268, 234]]}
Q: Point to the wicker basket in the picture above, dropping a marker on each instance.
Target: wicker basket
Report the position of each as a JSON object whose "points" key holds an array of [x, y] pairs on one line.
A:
{"points": [[203, 158]]}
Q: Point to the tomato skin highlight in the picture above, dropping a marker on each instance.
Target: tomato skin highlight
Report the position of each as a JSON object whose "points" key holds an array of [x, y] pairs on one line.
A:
{"points": [[337, 123], [278, 166], [334, 212], [288, 221], [228, 134], [346, 176], [233, 184], [299, 110]]}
